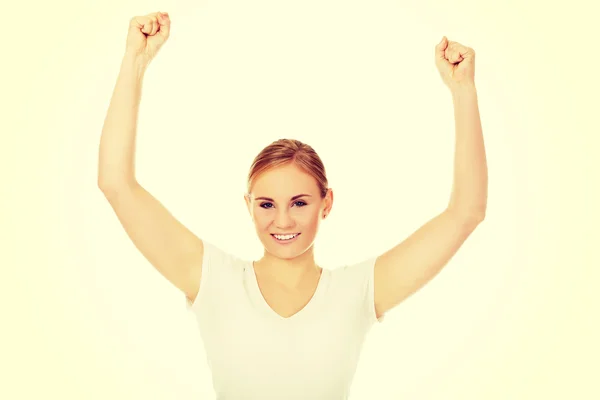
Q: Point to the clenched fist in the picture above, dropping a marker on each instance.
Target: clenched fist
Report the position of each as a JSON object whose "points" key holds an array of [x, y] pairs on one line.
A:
{"points": [[147, 34], [455, 63]]}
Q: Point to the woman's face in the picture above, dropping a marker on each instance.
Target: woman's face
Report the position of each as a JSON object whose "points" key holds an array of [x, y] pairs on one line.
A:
{"points": [[286, 201]]}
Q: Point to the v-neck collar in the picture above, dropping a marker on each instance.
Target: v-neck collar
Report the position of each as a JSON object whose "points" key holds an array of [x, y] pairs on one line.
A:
{"points": [[310, 308]]}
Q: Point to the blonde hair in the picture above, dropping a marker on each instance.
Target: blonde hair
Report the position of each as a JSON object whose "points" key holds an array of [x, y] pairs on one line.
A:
{"points": [[288, 151]]}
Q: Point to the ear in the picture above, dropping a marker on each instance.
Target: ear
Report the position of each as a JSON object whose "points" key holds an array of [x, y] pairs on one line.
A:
{"points": [[328, 203], [248, 203]]}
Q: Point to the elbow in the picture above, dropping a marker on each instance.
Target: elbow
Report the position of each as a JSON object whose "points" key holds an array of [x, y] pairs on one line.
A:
{"points": [[472, 212], [475, 218], [470, 217], [107, 190], [478, 216], [104, 184], [110, 186]]}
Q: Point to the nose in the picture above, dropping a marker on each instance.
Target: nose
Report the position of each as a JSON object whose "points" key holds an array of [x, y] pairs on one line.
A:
{"points": [[283, 219]]}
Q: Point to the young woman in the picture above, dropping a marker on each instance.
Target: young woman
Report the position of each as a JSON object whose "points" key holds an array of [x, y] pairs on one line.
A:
{"points": [[282, 327]]}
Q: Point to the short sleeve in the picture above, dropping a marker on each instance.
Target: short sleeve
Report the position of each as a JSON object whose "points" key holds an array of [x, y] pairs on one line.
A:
{"points": [[218, 268], [358, 283], [367, 269]]}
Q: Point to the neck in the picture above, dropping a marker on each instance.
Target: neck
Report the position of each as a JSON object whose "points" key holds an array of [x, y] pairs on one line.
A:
{"points": [[289, 272]]}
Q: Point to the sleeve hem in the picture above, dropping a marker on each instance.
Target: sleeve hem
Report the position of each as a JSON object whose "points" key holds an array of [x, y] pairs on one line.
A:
{"points": [[204, 277], [371, 312]]}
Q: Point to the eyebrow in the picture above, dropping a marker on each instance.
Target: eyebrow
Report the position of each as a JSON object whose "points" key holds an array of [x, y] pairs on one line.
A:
{"points": [[293, 198]]}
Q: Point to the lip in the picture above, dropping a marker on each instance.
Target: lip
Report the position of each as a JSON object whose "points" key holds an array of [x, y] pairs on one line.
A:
{"points": [[284, 242]]}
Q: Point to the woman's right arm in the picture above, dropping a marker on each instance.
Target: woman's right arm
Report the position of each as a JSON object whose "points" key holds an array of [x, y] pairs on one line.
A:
{"points": [[168, 245]]}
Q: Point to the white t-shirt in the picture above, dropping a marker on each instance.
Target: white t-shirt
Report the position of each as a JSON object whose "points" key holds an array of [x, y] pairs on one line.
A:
{"points": [[255, 354]]}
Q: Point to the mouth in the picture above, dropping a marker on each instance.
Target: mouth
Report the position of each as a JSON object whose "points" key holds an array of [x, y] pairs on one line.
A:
{"points": [[284, 239]]}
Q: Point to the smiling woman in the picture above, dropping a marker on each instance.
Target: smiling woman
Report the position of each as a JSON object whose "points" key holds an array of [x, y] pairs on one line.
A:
{"points": [[283, 327], [287, 197], [303, 325]]}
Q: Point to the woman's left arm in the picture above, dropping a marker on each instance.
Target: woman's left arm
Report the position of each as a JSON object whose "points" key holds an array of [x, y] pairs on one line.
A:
{"points": [[408, 266]]}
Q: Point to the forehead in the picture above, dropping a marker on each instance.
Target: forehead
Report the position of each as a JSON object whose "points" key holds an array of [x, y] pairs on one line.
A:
{"points": [[284, 182]]}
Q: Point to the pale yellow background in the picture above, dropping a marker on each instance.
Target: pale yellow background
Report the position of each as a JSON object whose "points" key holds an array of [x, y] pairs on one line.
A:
{"points": [[513, 316]]}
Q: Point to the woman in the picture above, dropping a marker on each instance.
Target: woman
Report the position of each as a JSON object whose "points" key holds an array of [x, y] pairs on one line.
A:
{"points": [[283, 327]]}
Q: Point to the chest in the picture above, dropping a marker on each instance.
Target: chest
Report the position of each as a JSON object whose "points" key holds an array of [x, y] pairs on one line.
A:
{"points": [[250, 352], [283, 301], [261, 338]]}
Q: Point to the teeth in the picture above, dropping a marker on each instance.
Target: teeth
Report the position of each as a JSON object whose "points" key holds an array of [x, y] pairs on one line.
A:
{"points": [[285, 237]]}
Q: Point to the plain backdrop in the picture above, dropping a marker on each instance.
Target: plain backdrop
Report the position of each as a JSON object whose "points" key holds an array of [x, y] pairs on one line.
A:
{"points": [[514, 315]]}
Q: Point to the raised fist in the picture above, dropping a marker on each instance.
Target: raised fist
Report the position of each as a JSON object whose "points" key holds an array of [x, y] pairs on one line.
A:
{"points": [[455, 63], [147, 34]]}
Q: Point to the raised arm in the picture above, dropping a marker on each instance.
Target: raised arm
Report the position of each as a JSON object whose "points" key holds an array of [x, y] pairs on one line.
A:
{"points": [[412, 263], [168, 245]]}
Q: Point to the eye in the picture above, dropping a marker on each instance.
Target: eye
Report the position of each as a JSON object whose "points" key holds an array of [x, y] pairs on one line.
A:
{"points": [[298, 203]]}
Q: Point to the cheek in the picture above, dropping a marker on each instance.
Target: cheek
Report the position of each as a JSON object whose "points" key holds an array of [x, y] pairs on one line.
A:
{"points": [[309, 218], [262, 220]]}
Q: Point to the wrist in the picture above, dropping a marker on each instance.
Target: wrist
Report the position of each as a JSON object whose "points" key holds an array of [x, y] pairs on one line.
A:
{"points": [[135, 63], [463, 90]]}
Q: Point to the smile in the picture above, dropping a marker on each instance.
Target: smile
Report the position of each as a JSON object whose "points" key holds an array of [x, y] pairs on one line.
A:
{"points": [[285, 238]]}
